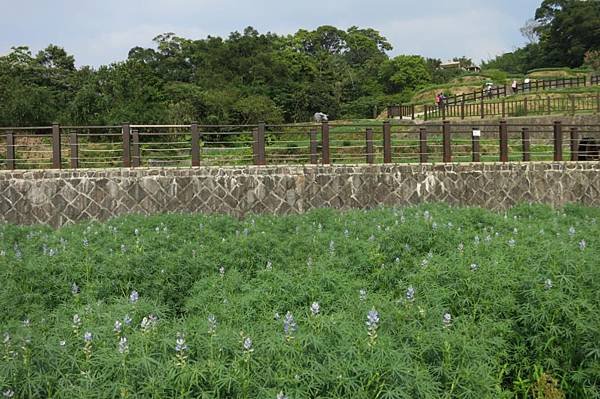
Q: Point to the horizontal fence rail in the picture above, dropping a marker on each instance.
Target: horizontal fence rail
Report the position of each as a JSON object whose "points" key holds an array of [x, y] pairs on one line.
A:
{"points": [[133, 146], [569, 105], [406, 110]]}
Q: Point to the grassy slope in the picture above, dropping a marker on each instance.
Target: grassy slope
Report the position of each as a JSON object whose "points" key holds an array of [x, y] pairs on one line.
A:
{"points": [[509, 333]]}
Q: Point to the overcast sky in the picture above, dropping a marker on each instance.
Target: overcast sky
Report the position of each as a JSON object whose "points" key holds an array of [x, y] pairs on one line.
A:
{"points": [[103, 31]]}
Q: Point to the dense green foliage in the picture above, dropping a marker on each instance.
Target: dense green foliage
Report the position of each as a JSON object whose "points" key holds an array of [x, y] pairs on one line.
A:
{"points": [[244, 78], [503, 305], [561, 33]]}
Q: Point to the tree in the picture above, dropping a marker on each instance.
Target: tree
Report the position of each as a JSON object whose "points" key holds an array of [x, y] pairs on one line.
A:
{"points": [[404, 72], [592, 59], [567, 30]]}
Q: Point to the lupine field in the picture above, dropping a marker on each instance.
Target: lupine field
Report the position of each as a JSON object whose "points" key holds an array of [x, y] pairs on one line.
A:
{"points": [[420, 302]]}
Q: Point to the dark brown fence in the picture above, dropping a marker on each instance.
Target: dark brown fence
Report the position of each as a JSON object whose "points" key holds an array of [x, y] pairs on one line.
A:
{"points": [[528, 106], [402, 111], [195, 145], [406, 110]]}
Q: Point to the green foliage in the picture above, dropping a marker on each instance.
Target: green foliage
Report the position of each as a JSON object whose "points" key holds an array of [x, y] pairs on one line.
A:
{"points": [[520, 290], [404, 72], [566, 30], [243, 78], [592, 60]]}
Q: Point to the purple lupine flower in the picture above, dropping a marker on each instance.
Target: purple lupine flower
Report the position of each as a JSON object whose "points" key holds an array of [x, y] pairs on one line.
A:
{"points": [[582, 245], [8, 393], [180, 345], [123, 345], [62, 342], [474, 267], [512, 242], [372, 319], [362, 295], [118, 327], [410, 294], [276, 316], [548, 284], [461, 247], [212, 324], [85, 242], [447, 319], [281, 395], [571, 231], [76, 321], [88, 336], [372, 325], [136, 232], [289, 325], [127, 320], [315, 308], [269, 266], [74, 289], [222, 271], [134, 296], [248, 344], [148, 323]]}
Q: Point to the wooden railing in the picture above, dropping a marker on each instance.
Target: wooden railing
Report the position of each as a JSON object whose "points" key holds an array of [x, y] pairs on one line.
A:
{"points": [[133, 146], [500, 91], [570, 104]]}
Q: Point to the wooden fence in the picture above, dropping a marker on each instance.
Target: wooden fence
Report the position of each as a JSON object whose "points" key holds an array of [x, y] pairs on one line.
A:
{"points": [[500, 91], [133, 146], [538, 106]]}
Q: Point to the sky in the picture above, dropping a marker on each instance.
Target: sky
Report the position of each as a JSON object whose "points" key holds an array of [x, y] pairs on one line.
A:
{"points": [[103, 31]]}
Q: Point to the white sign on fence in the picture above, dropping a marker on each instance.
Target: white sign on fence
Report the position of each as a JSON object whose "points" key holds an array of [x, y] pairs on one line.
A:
{"points": [[476, 132]]}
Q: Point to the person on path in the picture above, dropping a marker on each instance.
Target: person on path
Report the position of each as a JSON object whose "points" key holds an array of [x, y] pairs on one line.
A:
{"points": [[514, 87]]}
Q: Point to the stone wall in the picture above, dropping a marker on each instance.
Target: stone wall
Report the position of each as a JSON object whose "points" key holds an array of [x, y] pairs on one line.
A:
{"points": [[60, 197]]}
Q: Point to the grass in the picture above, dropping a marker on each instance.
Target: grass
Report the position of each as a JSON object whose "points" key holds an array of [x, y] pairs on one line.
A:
{"points": [[504, 305]]}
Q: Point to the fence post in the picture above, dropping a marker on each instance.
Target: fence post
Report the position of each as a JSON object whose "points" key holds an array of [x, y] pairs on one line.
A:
{"points": [[260, 144], [476, 133], [482, 109], [387, 142], [255, 146], [195, 144], [525, 111], [423, 145], [74, 149], [135, 148], [369, 144], [446, 141], [503, 142], [574, 139], [504, 108], [572, 105], [313, 145], [462, 108], [526, 144], [412, 112], [443, 107], [557, 141], [125, 130], [10, 150], [426, 108], [598, 102], [325, 143], [56, 146]]}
